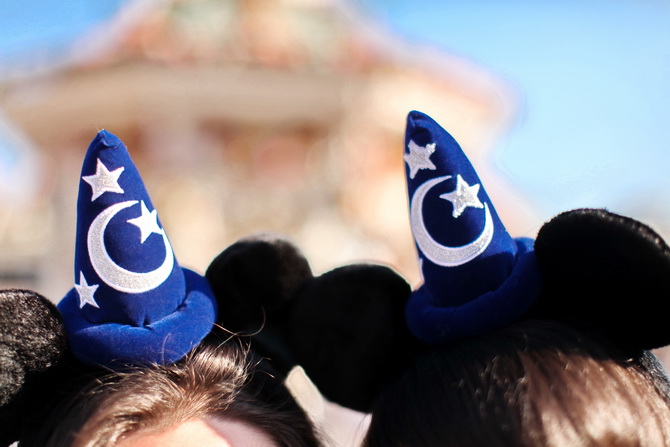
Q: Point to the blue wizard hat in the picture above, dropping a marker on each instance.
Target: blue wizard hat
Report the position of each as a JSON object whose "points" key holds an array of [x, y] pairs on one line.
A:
{"points": [[476, 276], [131, 301]]}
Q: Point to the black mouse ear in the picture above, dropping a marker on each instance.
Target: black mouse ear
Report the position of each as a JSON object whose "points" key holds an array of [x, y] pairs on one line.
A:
{"points": [[32, 342], [254, 281], [608, 271], [347, 330]]}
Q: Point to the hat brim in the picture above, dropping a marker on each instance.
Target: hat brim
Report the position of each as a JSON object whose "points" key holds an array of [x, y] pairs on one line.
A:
{"points": [[163, 341], [436, 324]]}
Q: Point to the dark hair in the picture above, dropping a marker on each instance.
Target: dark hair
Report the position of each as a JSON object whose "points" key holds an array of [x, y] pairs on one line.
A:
{"points": [[217, 382], [534, 383]]}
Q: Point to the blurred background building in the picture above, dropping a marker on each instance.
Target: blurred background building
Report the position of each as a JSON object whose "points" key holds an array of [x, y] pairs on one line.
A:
{"points": [[243, 116]]}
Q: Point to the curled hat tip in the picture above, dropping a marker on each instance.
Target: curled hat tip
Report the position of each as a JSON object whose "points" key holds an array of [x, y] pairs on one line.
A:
{"points": [[415, 114], [411, 118], [421, 126], [108, 139], [414, 117]]}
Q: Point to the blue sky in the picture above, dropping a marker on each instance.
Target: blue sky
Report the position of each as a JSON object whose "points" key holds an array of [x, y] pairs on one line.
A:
{"points": [[594, 128], [33, 33]]}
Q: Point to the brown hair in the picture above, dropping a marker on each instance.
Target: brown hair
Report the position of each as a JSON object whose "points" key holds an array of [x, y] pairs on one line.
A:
{"points": [[212, 381], [536, 383]]}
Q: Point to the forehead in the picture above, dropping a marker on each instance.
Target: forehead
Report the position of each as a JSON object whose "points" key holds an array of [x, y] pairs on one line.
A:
{"points": [[198, 433]]}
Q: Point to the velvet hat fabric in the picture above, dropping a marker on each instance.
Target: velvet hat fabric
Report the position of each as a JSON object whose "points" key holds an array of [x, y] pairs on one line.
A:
{"points": [[131, 301], [476, 276]]}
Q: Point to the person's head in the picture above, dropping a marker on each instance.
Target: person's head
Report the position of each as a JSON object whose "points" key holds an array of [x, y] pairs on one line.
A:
{"points": [[212, 394], [497, 368], [132, 303], [533, 383]]}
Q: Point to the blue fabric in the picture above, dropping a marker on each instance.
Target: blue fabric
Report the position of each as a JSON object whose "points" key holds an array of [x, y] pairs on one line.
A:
{"points": [[476, 276], [132, 302], [163, 341], [492, 310]]}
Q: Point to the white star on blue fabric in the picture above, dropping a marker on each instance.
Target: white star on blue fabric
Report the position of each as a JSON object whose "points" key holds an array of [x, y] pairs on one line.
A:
{"points": [[147, 223], [104, 180], [463, 196], [86, 292], [419, 157]]}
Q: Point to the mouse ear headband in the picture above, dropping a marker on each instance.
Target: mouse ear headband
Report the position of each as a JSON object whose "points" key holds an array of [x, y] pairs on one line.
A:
{"points": [[605, 270], [131, 300], [32, 345], [132, 303], [345, 327], [589, 266]]}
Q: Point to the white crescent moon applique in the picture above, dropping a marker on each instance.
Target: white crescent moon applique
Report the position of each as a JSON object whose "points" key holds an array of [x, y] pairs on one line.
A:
{"points": [[111, 273], [442, 254]]}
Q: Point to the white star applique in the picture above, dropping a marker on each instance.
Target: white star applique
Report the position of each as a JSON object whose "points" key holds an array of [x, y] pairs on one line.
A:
{"points": [[463, 196], [147, 223], [419, 157], [86, 292], [104, 180]]}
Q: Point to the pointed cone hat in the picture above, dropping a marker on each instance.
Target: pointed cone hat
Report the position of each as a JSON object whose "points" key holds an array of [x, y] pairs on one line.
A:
{"points": [[131, 301], [476, 276]]}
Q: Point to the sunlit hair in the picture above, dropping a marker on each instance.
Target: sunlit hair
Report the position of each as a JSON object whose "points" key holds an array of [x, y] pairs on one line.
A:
{"points": [[534, 384], [211, 382]]}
